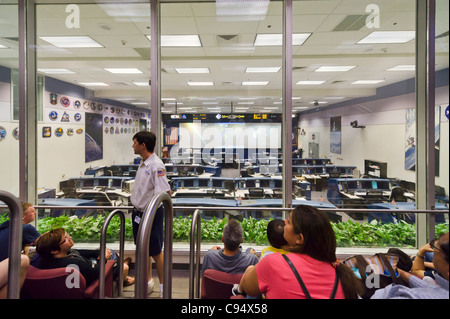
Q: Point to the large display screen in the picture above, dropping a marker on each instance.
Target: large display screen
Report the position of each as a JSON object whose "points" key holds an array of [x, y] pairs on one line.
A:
{"points": [[198, 135]]}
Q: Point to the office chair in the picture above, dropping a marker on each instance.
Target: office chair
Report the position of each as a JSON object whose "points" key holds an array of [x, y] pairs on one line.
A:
{"points": [[51, 284], [397, 194], [217, 284]]}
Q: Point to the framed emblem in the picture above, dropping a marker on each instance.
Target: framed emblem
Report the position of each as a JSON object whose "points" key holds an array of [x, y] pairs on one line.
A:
{"points": [[46, 131], [65, 101], [53, 98], [111, 120], [53, 115], [70, 131], [77, 104], [59, 132], [77, 117], [80, 131], [16, 133], [106, 120], [2, 133], [65, 117], [86, 105]]}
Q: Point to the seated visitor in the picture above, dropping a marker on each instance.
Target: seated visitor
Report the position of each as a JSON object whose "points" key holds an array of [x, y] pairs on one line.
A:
{"points": [[311, 269], [275, 235], [230, 259], [54, 250]]}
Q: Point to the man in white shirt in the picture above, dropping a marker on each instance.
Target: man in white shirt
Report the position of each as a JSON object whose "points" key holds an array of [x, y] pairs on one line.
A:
{"points": [[150, 179]]}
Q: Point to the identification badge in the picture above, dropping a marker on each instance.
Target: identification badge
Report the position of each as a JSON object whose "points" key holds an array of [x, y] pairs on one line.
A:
{"points": [[137, 219]]}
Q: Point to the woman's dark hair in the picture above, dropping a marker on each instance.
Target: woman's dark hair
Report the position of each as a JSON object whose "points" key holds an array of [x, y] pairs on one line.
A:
{"points": [[148, 138], [319, 242]]}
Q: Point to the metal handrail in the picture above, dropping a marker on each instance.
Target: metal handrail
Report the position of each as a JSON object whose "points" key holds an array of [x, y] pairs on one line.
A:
{"points": [[15, 243], [102, 261], [194, 256], [142, 246]]}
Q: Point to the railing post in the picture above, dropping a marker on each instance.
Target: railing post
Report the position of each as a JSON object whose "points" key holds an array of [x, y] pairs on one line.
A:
{"points": [[15, 243], [101, 292], [142, 245], [194, 253]]}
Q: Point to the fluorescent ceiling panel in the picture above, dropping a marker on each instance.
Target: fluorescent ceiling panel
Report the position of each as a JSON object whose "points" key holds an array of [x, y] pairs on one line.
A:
{"points": [[124, 70], [343, 68], [368, 81], [387, 37], [192, 40], [255, 82], [56, 71], [141, 83], [200, 83], [310, 82], [277, 39], [262, 69], [410, 67], [3, 47], [72, 42], [94, 84], [192, 70]]}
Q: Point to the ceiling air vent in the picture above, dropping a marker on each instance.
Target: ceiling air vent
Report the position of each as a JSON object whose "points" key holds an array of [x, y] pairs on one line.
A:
{"points": [[352, 23], [338, 82], [227, 39], [298, 68]]}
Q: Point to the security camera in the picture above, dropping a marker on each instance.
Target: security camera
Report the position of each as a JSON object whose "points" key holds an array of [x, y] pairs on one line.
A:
{"points": [[354, 124]]}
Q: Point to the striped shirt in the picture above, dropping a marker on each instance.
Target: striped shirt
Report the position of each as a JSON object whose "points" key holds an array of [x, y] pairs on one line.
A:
{"points": [[419, 289]]}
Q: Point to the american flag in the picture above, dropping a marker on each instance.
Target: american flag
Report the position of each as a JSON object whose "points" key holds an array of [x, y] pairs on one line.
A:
{"points": [[171, 135]]}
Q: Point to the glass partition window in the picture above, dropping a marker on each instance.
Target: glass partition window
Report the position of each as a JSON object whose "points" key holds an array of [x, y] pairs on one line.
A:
{"points": [[353, 103], [9, 106]]}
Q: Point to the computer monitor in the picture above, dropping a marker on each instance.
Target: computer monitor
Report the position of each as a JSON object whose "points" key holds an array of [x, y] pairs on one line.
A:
{"points": [[117, 182], [89, 182], [217, 183], [188, 183], [256, 192], [250, 183], [384, 185], [264, 183], [103, 182], [366, 184], [203, 182], [352, 185]]}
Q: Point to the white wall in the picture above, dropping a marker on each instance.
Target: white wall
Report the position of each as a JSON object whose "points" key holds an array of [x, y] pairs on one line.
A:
{"points": [[383, 138]]}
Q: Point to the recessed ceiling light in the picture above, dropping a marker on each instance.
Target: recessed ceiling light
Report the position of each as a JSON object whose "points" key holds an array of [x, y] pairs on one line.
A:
{"points": [[241, 108], [368, 81], [3, 46], [333, 98], [200, 83], [310, 82], [271, 108], [185, 108], [246, 103], [124, 70], [72, 42], [94, 84], [318, 102], [141, 83], [277, 39], [168, 99], [179, 40], [386, 37], [410, 67], [56, 71], [262, 69], [192, 70], [139, 103], [335, 68], [255, 82]]}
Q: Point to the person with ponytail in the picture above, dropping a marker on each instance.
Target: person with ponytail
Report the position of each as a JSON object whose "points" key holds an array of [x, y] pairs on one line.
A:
{"points": [[311, 269]]}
